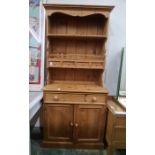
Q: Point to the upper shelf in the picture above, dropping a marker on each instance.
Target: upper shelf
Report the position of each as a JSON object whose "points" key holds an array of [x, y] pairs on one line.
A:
{"points": [[92, 25], [73, 36]]}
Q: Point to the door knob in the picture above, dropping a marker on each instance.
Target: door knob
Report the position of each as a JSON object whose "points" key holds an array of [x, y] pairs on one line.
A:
{"points": [[94, 99], [71, 124], [56, 98], [76, 125]]}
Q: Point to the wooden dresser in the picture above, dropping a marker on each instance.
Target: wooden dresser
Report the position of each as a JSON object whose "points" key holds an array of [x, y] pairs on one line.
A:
{"points": [[116, 127], [75, 98]]}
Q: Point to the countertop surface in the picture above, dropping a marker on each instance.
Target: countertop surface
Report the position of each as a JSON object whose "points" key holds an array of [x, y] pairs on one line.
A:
{"points": [[115, 107], [75, 88]]}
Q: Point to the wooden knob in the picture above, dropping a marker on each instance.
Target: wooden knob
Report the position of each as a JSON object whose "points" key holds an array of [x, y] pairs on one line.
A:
{"points": [[71, 124], [76, 125], [94, 99], [59, 89], [56, 98], [51, 63]]}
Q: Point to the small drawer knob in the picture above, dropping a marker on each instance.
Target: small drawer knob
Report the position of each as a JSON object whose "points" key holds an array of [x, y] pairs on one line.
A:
{"points": [[71, 124], [94, 99], [56, 98], [51, 63], [76, 125], [59, 89]]}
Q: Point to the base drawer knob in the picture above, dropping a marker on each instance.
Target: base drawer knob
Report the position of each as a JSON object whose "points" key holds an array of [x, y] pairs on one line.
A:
{"points": [[56, 98], [94, 99], [71, 124], [76, 125]]}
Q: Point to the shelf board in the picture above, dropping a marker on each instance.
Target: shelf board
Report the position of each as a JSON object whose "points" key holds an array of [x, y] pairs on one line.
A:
{"points": [[77, 67], [75, 60], [79, 64], [70, 36], [74, 56]]}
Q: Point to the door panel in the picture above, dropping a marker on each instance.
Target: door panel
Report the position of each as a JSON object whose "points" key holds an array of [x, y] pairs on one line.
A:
{"points": [[89, 123], [58, 122]]}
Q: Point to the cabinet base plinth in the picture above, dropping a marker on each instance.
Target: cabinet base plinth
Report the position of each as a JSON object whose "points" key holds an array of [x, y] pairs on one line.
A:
{"points": [[72, 145]]}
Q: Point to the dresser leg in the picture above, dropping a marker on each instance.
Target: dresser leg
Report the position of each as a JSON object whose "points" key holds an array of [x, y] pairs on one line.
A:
{"points": [[110, 150]]}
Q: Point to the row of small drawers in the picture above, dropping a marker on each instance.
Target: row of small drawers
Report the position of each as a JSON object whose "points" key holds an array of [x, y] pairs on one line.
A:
{"points": [[50, 97]]}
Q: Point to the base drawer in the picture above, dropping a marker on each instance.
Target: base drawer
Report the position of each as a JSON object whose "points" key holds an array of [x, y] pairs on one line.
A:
{"points": [[73, 97], [50, 97], [96, 98]]}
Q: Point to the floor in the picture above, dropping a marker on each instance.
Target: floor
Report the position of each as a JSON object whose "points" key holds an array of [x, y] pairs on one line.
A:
{"points": [[36, 149]]}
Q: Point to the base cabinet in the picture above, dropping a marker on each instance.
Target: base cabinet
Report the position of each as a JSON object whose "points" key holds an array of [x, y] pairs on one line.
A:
{"points": [[74, 125]]}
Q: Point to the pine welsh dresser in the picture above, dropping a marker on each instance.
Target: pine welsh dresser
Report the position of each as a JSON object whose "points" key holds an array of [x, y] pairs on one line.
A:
{"points": [[74, 108]]}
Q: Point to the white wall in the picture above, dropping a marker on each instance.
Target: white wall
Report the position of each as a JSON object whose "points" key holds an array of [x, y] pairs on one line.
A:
{"points": [[117, 37]]}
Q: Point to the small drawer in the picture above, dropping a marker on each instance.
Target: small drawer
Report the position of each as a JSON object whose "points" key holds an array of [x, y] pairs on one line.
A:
{"points": [[99, 64], [49, 97], [53, 97], [54, 64], [95, 98], [121, 121], [83, 64], [73, 97], [68, 64]]}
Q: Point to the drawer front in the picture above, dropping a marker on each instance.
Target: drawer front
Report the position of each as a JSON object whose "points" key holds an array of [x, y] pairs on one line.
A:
{"points": [[74, 97], [49, 97], [121, 121], [83, 64], [54, 64], [96, 98], [70, 97], [53, 97]]}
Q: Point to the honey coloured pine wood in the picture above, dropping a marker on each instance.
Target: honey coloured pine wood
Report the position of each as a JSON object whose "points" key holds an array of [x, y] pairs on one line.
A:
{"points": [[69, 86], [58, 119], [89, 123], [116, 127], [74, 96]]}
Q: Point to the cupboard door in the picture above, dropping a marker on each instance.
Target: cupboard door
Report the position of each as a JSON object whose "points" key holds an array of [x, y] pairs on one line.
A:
{"points": [[58, 122], [89, 123]]}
